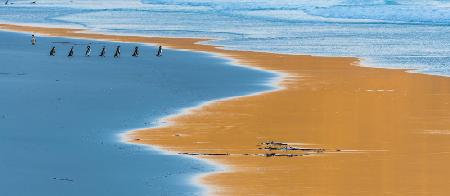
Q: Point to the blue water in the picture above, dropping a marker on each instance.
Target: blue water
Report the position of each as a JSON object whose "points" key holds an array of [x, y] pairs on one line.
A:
{"points": [[60, 117], [384, 33]]}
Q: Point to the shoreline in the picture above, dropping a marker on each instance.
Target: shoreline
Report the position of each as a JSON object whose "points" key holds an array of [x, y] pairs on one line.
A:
{"points": [[127, 85], [334, 104], [126, 136], [194, 180]]}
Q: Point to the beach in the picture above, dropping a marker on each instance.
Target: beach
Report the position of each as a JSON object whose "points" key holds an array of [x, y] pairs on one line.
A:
{"points": [[377, 123], [62, 118], [380, 131]]}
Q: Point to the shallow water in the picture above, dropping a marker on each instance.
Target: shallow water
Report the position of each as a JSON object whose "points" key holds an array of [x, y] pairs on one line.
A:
{"points": [[60, 117], [384, 33]]}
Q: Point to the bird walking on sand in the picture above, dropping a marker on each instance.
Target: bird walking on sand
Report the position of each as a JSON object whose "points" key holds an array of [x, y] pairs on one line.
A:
{"points": [[70, 52], [88, 51], [117, 53], [33, 40], [159, 53], [53, 51], [136, 52], [103, 52]]}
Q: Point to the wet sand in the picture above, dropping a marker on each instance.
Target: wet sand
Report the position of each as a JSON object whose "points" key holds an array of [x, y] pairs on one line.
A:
{"points": [[383, 131]]}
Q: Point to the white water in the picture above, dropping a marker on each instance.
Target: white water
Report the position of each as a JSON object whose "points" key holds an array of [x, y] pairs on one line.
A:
{"points": [[396, 34]]}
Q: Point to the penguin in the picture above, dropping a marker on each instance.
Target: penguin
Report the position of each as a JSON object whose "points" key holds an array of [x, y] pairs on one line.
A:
{"points": [[136, 52], [159, 53], [117, 53], [88, 51], [53, 51], [103, 52], [33, 40], [70, 52]]}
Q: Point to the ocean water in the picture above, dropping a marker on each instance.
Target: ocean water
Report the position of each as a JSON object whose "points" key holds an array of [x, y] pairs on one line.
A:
{"points": [[60, 117], [383, 33]]}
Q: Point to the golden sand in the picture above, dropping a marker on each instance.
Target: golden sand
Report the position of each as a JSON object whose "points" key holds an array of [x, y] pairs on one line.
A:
{"points": [[392, 128]]}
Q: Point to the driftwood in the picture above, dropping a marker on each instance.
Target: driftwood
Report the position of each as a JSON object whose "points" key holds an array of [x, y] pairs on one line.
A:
{"points": [[271, 146]]}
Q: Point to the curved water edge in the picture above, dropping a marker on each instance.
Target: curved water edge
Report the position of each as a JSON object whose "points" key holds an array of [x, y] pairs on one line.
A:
{"points": [[126, 135], [123, 112], [195, 179], [273, 83], [311, 44]]}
